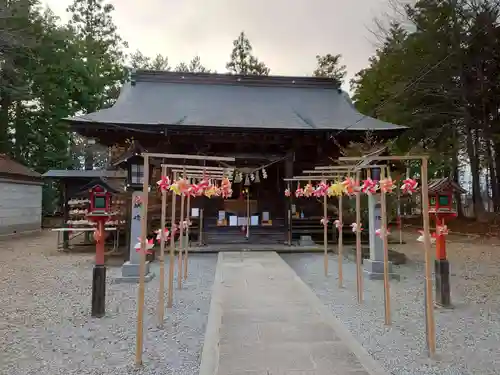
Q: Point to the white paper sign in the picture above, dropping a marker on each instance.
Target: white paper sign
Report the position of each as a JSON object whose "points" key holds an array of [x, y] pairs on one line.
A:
{"points": [[254, 221], [242, 220], [233, 221], [195, 212], [265, 216], [222, 215]]}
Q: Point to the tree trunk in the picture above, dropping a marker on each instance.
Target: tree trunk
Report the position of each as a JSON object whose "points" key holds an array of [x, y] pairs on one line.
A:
{"points": [[492, 176], [456, 178], [496, 148], [5, 104], [21, 136], [479, 211]]}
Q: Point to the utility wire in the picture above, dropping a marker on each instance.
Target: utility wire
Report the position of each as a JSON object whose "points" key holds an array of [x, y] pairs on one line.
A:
{"points": [[429, 69]]}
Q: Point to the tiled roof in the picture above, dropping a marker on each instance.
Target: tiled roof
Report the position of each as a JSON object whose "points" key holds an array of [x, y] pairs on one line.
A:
{"points": [[186, 100], [79, 173], [13, 168], [439, 184]]}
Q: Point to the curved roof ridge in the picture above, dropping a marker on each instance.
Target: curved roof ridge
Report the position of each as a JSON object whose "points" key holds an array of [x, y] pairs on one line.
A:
{"points": [[232, 79]]}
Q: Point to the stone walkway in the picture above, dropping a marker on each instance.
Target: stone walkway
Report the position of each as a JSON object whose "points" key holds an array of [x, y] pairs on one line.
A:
{"points": [[265, 321]]}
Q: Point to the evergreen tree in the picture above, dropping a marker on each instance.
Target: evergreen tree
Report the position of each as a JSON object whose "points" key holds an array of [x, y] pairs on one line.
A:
{"points": [[102, 51], [140, 61], [243, 61], [329, 66]]}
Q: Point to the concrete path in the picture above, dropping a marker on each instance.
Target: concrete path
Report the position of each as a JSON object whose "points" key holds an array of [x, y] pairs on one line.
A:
{"points": [[265, 321]]}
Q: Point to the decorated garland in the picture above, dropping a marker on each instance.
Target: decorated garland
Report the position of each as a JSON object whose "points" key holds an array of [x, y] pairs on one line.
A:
{"points": [[387, 185], [149, 245], [204, 187], [409, 186], [369, 186], [335, 190]]}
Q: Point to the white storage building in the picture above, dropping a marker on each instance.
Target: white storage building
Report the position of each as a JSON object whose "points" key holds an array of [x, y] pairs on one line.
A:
{"points": [[20, 198]]}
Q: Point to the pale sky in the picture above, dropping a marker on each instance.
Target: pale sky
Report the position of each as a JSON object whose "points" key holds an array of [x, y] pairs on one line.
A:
{"points": [[285, 34]]}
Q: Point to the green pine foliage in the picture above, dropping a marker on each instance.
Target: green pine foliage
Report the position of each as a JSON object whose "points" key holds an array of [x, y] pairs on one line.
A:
{"points": [[440, 78]]}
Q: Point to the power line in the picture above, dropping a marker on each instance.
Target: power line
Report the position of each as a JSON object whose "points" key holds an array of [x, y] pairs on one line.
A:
{"points": [[408, 86]]}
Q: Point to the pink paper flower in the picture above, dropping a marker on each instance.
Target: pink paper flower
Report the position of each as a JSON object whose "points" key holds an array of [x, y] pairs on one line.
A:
{"points": [[324, 221], [308, 190], [226, 190], [287, 192], [369, 186], [421, 237], [350, 186], [321, 189], [183, 185], [299, 192], [149, 245], [338, 224], [380, 233], [409, 186], [387, 185], [442, 230], [166, 233], [354, 227], [163, 183], [204, 184]]}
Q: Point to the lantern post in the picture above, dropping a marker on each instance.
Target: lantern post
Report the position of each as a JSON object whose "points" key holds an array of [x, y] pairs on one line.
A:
{"points": [[136, 174], [442, 209], [99, 212]]}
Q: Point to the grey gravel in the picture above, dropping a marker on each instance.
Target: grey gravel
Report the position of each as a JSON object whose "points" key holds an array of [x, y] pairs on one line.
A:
{"points": [[468, 336], [45, 323]]}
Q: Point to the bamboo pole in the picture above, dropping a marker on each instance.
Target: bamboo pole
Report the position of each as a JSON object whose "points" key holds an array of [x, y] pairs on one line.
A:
{"points": [[341, 244], [400, 219], [289, 213], [181, 243], [359, 279], [142, 266], [188, 157], [161, 291], [383, 213], [188, 220], [200, 240], [248, 213], [171, 267], [429, 305], [325, 236], [198, 168], [383, 158]]}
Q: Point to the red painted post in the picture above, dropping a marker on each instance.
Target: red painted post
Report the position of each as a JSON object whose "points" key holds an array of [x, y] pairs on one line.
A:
{"points": [[99, 245], [440, 240]]}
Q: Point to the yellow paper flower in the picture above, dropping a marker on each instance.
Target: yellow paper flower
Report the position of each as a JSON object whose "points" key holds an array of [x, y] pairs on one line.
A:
{"points": [[210, 191], [335, 190], [308, 190], [175, 188]]}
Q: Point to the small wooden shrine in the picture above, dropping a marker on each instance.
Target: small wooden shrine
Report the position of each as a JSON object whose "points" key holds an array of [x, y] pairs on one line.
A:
{"points": [[441, 193]]}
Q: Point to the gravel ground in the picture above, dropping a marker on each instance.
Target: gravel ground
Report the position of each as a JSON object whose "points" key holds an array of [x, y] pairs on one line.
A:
{"points": [[45, 323], [467, 337]]}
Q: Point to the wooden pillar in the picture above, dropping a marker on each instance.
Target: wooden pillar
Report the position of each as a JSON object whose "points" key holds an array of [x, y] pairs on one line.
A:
{"points": [[65, 205], [288, 210]]}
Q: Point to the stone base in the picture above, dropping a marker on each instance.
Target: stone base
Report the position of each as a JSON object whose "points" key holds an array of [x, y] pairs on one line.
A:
{"points": [[130, 273], [306, 241], [374, 270]]}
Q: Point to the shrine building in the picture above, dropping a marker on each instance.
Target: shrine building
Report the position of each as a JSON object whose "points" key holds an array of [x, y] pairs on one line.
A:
{"points": [[274, 126]]}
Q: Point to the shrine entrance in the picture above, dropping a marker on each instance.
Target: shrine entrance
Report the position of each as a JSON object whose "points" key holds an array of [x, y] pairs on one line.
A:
{"points": [[255, 213]]}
